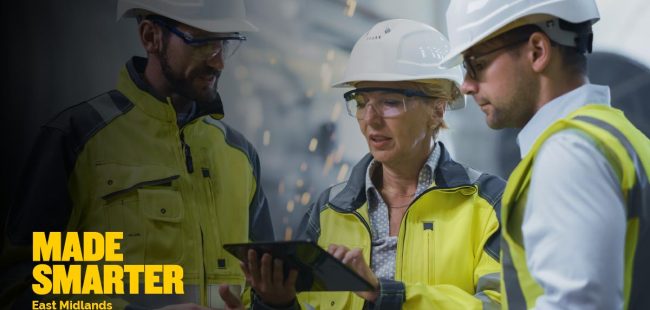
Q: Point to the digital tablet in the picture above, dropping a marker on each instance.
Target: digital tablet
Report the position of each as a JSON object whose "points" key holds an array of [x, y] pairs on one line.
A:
{"points": [[317, 269]]}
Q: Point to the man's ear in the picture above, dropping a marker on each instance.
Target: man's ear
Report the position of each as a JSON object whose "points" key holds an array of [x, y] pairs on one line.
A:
{"points": [[540, 51], [150, 36]]}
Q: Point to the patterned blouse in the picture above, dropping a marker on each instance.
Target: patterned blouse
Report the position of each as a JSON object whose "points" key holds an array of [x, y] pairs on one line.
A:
{"points": [[384, 247]]}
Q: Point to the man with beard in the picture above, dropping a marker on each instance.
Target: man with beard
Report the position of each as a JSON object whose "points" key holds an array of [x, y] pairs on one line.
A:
{"points": [[575, 210], [152, 159]]}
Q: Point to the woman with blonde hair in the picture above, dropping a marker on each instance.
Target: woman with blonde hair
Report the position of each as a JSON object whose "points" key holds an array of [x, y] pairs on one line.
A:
{"points": [[420, 227]]}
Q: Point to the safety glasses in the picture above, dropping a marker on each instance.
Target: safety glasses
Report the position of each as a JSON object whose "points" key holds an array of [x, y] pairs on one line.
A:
{"points": [[387, 102], [204, 47]]}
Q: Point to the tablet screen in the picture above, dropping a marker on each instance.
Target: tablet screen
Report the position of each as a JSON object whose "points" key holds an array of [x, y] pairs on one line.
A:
{"points": [[317, 269]]}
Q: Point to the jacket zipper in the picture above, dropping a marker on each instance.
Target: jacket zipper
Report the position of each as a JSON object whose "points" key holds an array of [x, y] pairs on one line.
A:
{"points": [[189, 164], [358, 215], [365, 223]]}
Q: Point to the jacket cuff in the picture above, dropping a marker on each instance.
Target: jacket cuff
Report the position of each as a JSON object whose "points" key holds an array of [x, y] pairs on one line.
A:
{"points": [[391, 295], [258, 304]]}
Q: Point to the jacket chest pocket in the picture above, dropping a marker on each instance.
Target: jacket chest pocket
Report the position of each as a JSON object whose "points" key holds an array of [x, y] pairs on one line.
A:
{"points": [[430, 241], [144, 204]]}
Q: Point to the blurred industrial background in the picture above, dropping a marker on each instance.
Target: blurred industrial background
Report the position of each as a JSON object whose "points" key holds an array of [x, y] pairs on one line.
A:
{"points": [[276, 90]]}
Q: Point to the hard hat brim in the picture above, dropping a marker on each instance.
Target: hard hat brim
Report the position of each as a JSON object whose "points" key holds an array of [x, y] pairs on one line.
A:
{"points": [[390, 77], [222, 25]]}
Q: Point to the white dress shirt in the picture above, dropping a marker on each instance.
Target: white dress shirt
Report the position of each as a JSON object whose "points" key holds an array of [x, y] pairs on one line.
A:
{"points": [[575, 221]]}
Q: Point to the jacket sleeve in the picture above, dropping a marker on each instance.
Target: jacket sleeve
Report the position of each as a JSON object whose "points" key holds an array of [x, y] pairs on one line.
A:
{"points": [[41, 203], [308, 229], [260, 225]]}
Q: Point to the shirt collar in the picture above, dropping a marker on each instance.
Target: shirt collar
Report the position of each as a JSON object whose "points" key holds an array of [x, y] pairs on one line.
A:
{"points": [[184, 118], [559, 108]]}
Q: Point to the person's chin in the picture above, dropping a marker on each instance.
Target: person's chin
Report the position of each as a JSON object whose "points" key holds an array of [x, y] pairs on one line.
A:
{"points": [[493, 123], [381, 155], [205, 95]]}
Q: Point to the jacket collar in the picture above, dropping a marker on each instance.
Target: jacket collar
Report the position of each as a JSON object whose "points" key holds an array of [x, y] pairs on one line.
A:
{"points": [[448, 174], [133, 86]]}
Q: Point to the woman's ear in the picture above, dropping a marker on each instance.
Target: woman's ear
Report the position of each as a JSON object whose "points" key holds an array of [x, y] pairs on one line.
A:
{"points": [[439, 109], [437, 112], [150, 36]]}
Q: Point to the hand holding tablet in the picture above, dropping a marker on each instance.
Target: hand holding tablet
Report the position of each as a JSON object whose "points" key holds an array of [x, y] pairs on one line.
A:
{"points": [[317, 269]]}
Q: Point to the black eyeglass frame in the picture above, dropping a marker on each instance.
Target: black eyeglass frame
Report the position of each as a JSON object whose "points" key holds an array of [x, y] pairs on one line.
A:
{"points": [[469, 62], [189, 39]]}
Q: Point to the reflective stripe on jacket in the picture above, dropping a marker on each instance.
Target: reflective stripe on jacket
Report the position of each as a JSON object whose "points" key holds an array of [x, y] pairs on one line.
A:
{"points": [[119, 162], [448, 243], [628, 151]]}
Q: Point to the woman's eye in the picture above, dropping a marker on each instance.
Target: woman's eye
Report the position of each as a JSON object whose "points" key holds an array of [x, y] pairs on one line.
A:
{"points": [[392, 102]]}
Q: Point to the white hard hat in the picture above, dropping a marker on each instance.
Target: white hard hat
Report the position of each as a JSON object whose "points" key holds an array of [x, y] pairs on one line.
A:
{"points": [[401, 50], [208, 15], [471, 21]]}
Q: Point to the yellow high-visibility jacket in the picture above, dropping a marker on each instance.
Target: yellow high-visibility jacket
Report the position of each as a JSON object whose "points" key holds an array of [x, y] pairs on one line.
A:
{"points": [[628, 151], [120, 162], [447, 251]]}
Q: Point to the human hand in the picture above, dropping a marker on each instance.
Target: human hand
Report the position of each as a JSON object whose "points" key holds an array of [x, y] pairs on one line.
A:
{"points": [[354, 259], [231, 301], [266, 277]]}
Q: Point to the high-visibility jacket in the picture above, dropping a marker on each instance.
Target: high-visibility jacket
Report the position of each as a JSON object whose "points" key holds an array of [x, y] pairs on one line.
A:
{"points": [[628, 151], [448, 243], [120, 162]]}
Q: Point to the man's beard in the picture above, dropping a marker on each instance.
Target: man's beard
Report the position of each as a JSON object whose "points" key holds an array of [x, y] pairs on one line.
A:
{"points": [[183, 86]]}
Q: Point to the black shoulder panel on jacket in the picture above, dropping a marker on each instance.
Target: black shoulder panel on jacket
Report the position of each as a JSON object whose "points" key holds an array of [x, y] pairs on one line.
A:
{"points": [[309, 227], [351, 195], [82, 121], [491, 188]]}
